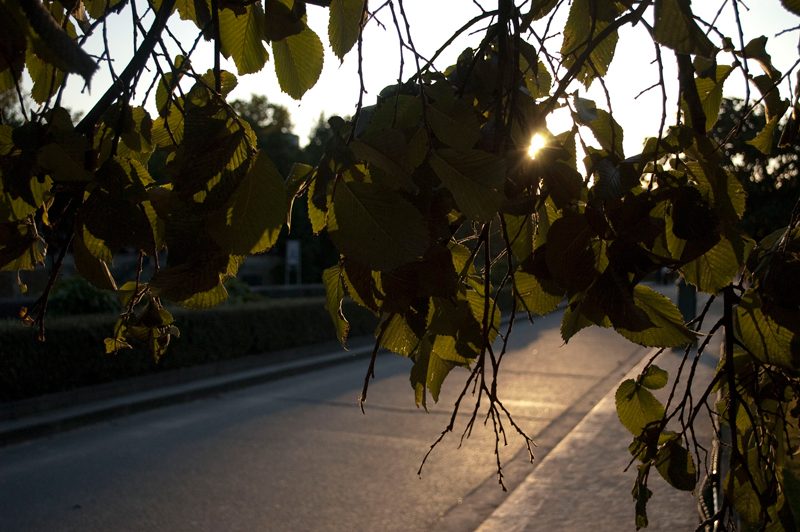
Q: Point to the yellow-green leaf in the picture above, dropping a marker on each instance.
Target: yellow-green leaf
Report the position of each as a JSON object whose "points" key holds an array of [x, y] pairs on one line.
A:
{"points": [[344, 25], [675, 28], [298, 62], [375, 226], [242, 38], [334, 290], [475, 178], [252, 218]]}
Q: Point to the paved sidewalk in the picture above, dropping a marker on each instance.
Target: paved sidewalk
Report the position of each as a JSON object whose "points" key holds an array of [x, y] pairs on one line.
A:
{"points": [[582, 484]]}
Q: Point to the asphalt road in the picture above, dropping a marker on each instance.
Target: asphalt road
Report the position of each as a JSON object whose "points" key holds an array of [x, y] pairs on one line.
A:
{"points": [[298, 455]]}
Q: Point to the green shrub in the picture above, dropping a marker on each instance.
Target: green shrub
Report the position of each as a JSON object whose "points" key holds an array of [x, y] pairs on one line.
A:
{"points": [[76, 296], [73, 355]]}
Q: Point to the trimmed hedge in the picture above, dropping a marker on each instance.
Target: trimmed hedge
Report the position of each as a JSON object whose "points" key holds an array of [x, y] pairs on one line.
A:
{"points": [[73, 355]]}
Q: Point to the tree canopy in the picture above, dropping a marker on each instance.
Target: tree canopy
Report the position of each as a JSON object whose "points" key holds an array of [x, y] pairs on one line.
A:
{"points": [[442, 217]]}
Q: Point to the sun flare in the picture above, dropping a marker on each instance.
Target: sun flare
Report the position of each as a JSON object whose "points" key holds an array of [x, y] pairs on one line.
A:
{"points": [[537, 143]]}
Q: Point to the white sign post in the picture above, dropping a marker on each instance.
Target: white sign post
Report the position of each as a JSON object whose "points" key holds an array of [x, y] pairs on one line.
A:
{"points": [[293, 260]]}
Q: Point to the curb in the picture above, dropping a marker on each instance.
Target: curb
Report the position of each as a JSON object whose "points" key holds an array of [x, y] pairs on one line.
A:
{"points": [[64, 419], [54, 418]]}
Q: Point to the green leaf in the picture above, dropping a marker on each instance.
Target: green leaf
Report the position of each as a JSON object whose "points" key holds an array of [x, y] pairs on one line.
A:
{"points": [[127, 292], [387, 150], [757, 49], [455, 125], [669, 330], [476, 304], [344, 25], [586, 20], [771, 341], [607, 132], [675, 28], [227, 82], [280, 22], [242, 38], [375, 226], [536, 296], [15, 207], [569, 252], [398, 112], [637, 407], [641, 494], [475, 178], [196, 283], [539, 9], [772, 97], [115, 344], [61, 166], [428, 373], [398, 336], [91, 268], [710, 92], [520, 234], [334, 293], [715, 269], [764, 140], [563, 183], [676, 465], [574, 320], [46, 78], [167, 85], [793, 6], [21, 248], [252, 218], [318, 217], [298, 62], [654, 378]]}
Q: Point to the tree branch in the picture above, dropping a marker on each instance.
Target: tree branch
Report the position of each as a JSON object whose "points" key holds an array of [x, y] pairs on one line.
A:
{"points": [[137, 63]]}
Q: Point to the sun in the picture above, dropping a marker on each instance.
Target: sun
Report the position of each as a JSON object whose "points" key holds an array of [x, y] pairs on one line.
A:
{"points": [[537, 143]]}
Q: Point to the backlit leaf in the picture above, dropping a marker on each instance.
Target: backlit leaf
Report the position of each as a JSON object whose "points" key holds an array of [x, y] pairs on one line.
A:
{"points": [[343, 25], [586, 20], [675, 28], [298, 62], [770, 341], [654, 378], [669, 329], [253, 216], [387, 150], [242, 38], [715, 269], [637, 407], [90, 267], [334, 293], [676, 465], [536, 296], [756, 49], [398, 337], [456, 126], [475, 178], [375, 226], [764, 140]]}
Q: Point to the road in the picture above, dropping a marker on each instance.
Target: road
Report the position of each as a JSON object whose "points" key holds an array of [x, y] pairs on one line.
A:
{"points": [[298, 455]]}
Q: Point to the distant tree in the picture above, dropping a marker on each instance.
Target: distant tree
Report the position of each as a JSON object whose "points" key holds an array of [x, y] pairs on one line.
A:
{"points": [[272, 125], [771, 182]]}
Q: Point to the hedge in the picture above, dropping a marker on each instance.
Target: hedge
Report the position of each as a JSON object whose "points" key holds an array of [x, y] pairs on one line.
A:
{"points": [[73, 355]]}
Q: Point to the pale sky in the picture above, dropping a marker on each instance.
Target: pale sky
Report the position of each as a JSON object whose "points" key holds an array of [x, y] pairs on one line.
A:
{"points": [[432, 22]]}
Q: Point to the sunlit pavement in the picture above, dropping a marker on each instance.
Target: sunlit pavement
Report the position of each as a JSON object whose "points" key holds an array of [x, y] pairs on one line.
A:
{"points": [[297, 454]]}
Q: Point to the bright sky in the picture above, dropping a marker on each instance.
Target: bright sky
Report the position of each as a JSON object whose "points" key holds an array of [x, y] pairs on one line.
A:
{"points": [[432, 22]]}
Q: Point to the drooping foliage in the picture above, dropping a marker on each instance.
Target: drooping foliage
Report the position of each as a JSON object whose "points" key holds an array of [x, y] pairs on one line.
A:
{"points": [[437, 208]]}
